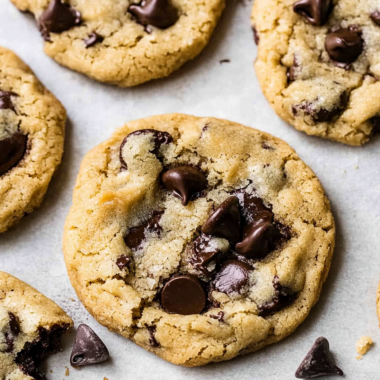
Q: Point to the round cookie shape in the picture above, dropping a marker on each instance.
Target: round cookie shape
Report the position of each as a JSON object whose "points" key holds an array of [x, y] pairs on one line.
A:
{"points": [[170, 271], [31, 327], [318, 65], [127, 42], [32, 127]]}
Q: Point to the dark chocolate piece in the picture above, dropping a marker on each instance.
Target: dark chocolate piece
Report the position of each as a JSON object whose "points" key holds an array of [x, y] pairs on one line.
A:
{"points": [[14, 324], [12, 150], [225, 221], [57, 18], [183, 295], [232, 277], [152, 338], [219, 316], [6, 100], [344, 45], [88, 348], [186, 182], [92, 39], [123, 261], [318, 362], [375, 17], [315, 11], [136, 235], [159, 13]]}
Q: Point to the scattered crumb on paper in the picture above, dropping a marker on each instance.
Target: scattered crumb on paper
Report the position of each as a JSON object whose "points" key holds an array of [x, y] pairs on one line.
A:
{"points": [[67, 371], [363, 345]]}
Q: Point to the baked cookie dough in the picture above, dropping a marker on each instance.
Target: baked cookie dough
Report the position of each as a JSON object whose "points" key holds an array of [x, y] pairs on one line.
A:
{"points": [[31, 327], [318, 65], [197, 238], [124, 42], [32, 125]]}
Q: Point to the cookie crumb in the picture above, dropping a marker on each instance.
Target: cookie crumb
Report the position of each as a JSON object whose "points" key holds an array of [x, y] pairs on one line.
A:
{"points": [[363, 345], [105, 378], [67, 371], [360, 357]]}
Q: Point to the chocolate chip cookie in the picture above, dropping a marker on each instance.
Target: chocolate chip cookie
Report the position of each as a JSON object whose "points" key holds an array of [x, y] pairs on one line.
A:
{"points": [[32, 124], [319, 65], [31, 327], [197, 238], [124, 42]]}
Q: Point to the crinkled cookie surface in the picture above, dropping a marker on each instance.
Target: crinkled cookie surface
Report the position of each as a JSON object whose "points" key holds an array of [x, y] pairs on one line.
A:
{"points": [[197, 238], [124, 42], [31, 326], [318, 65], [32, 127]]}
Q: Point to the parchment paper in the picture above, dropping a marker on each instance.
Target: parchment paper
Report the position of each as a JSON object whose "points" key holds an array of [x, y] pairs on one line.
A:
{"points": [[205, 87]]}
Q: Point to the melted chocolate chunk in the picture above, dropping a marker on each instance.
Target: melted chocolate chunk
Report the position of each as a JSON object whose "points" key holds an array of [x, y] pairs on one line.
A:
{"points": [[375, 17], [321, 115], [256, 36], [283, 297], [152, 339], [136, 235], [315, 11], [203, 254], [232, 277], [123, 261], [92, 39], [159, 13], [48, 342], [183, 295], [376, 124], [219, 316], [12, 150], [318, 362], [14, 324], [6, 100], [259, 238], [291, 74], [57, 18], [186, 182], [344, 45], [225, 222], [88, 348], [159, 137]]}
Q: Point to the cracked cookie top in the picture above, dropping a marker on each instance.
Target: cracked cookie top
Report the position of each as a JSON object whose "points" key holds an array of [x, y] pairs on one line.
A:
{"points": [[197, 238], [124, 42], [32, 123], [318, 64], [31, 327]]}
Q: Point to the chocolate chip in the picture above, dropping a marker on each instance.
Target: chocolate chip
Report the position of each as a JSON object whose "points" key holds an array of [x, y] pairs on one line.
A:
{"points": [[12, 150], [159, 137], [183, 295], [14, 324], [57, 18], [259, 238], [92, 39], [219, 316], [152, 339], [88, 348], [282, 298], [203, 254], [321, 115], [225, 221], [318, 362], [344, 45], [314, 11], [375, 17], [47, 342], [6, 100], [232, 277], [186, 182], [123, 261], [159, 13], [136, 235], [291, 74], [256, 36]]}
